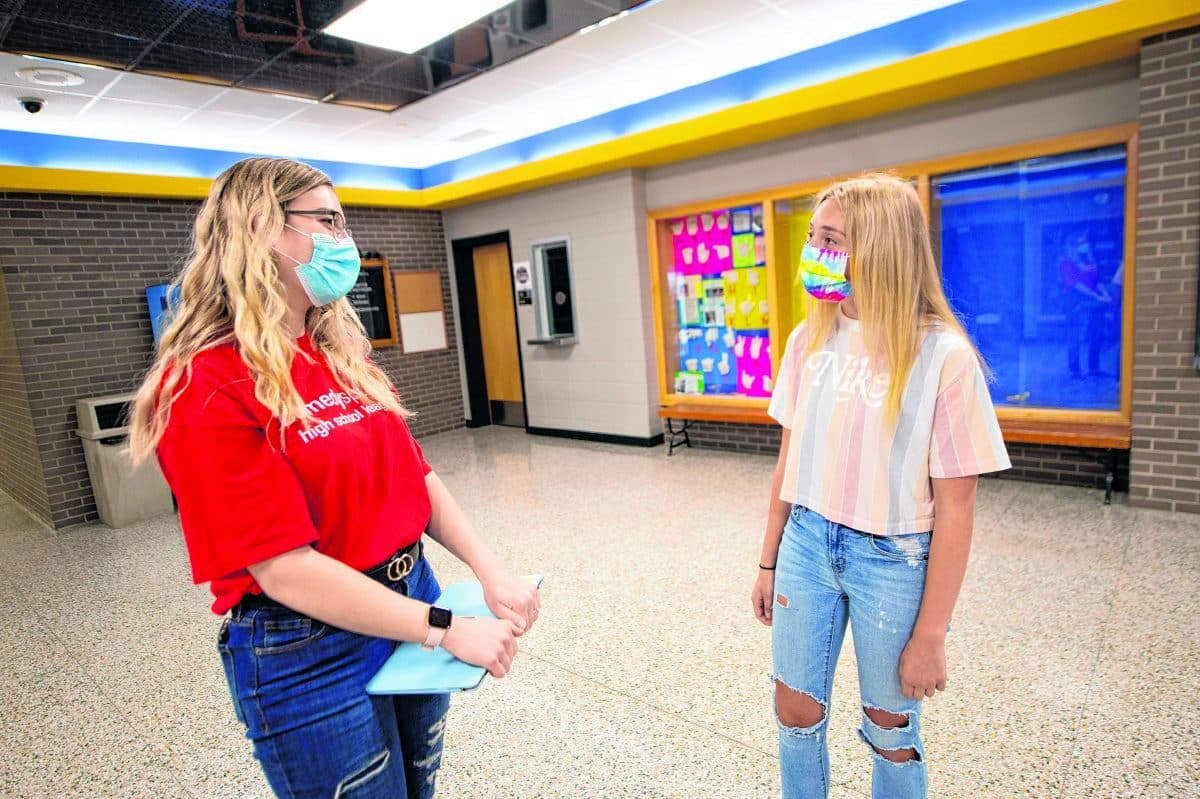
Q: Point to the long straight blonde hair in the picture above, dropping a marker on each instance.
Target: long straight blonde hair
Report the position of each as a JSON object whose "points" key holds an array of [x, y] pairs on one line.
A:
{"points": [[229, 292], [896, 282]]}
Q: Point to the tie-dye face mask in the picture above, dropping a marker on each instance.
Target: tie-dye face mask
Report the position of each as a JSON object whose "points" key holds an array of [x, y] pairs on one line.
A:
{"points": [[823, 273]]}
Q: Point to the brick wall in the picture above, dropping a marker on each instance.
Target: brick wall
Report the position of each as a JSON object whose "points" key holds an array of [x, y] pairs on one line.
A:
{"points": [[76, 268], [1165, 460], [20, 465], [758, 438], [429, 382]]}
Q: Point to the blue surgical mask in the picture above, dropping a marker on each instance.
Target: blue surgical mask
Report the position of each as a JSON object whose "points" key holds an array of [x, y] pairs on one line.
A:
{"points": [[331, 272], [823, 273]]}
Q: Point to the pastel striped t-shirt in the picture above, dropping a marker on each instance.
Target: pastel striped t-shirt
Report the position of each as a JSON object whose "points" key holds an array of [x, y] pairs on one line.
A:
{"points": [[847, 463]]}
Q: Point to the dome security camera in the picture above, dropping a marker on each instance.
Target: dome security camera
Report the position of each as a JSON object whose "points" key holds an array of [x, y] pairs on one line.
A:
{"points": [[32, 104]]}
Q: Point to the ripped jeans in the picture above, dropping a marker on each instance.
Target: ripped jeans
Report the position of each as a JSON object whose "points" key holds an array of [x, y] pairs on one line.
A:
{"points": [[299, 687], [828, 574]]}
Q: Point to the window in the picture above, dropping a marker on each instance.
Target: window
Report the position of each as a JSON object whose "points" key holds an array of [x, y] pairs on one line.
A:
{"points": [[552, 275], [1032, 256]]}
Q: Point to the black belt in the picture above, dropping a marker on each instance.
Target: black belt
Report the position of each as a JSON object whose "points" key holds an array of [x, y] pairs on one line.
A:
{"points": [[392, 570]]}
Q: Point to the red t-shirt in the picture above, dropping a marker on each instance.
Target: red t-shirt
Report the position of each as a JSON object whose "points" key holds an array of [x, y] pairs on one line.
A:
{"points": [[352, 485]]}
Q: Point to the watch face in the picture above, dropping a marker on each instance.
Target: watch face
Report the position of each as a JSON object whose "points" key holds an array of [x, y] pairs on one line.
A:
{"points": [[439, 617]]}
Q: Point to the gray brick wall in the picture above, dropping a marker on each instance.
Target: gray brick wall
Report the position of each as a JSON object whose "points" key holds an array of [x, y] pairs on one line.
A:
{"points": [[1165, 460], [429, 382], [75, 270], [758, 438], [20, 465]]}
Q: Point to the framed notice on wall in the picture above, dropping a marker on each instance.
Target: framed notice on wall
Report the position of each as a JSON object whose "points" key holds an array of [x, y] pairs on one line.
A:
{"points": [[372, 298]]}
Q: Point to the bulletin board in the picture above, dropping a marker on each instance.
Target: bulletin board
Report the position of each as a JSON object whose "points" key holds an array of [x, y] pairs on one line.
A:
{"points": [[420, 311]]}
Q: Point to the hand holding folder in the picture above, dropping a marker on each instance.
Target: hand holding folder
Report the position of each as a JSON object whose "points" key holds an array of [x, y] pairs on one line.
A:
{"points": [[413, 670]]}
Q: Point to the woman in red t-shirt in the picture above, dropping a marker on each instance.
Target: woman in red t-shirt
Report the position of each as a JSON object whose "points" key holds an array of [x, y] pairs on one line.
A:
{"points": [[303, 497]]}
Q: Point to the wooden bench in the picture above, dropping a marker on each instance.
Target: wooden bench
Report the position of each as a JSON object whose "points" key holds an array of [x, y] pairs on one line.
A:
{"points": [[1109, 438], [689, 413]]}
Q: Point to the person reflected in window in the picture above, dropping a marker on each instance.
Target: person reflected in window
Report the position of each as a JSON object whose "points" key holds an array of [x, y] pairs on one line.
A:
{"points": [[1087, 303]]}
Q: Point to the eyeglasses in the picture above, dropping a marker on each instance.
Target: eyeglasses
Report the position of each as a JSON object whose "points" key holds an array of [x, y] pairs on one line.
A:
{"points": [[330, 217]]}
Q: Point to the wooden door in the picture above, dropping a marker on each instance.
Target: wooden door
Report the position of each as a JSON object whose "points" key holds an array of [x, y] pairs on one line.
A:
{"points": [[497, 323]]}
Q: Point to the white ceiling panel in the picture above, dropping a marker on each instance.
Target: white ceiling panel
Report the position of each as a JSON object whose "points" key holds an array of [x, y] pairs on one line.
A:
{"points": [[147, 89], [690, 18], [342, 118], [492, 88], [623, 38], [256, 104], [547, 66], [118, 113]]}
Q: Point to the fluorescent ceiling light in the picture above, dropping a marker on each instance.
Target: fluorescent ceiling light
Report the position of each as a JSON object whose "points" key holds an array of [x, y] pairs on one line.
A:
{"points": [[406, 26]]}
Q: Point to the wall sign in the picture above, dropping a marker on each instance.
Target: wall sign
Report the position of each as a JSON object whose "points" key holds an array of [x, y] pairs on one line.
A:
{"points": [[371, 298], [523, 282]]}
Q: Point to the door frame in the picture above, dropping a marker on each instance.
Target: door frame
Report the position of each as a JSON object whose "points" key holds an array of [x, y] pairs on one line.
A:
{"points": [[463, 252]]}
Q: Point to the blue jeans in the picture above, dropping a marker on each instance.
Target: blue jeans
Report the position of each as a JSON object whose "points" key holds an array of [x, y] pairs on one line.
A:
{"points": [[299, 687], [828, 574]]}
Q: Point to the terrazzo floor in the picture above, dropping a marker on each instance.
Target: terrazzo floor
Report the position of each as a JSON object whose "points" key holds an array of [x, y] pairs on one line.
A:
{"points": [[1074, 661]]}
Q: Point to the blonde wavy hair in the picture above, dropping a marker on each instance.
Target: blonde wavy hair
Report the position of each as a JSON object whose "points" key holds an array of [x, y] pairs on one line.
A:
{"points": [[229, 291], [896, 281]]}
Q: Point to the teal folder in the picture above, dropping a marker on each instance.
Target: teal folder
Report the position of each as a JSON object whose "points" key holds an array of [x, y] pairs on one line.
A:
{"points": [[412, 670]]}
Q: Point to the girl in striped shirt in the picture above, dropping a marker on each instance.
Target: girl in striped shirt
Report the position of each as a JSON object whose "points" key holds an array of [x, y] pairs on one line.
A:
{"points": [[887, 424]]}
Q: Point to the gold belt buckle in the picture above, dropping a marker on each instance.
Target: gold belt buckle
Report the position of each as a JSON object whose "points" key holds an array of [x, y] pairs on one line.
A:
{"points": [[401, 567]]}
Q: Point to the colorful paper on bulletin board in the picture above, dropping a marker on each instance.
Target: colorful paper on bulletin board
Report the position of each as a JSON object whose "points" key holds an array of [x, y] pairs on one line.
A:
{"points": [[710, 352], [689, 300], [747, 219], [746, 305], [753, 352], [701, 243], [741, 220], [712, 303], [743, 250], [689, 383]]}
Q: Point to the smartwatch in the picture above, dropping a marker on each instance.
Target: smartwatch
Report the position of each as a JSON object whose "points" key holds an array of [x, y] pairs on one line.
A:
{"points": [[439, 623]]}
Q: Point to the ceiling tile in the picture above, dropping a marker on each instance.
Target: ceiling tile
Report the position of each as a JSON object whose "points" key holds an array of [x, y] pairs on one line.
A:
{"points": [[164, 91], [118, 113], [176, 61], [378, 97], [216, 130], [495, 88], [623, 38], [694, 16], [552, 64], [219, 32], [341, 117], [74, 44], [136, 19], [256, 104]]}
